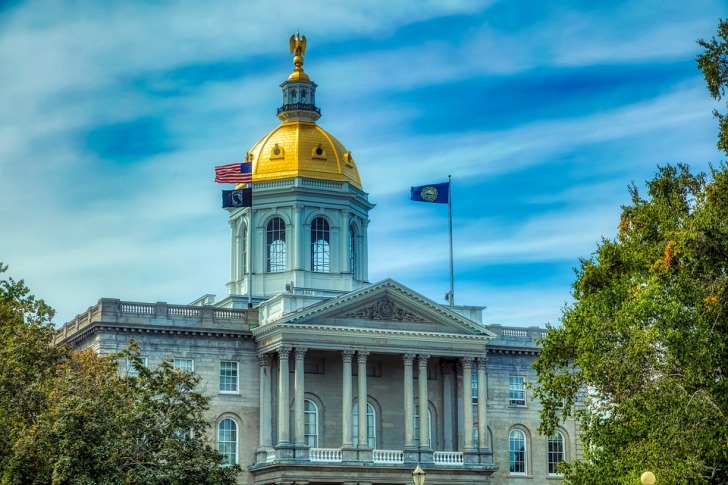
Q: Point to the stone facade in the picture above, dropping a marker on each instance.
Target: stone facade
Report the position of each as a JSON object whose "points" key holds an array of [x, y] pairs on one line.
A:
{"points": [[384, 332]]}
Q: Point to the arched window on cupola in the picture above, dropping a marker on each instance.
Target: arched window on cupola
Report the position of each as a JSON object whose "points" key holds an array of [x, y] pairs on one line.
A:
{"points": [[320, 246], [276, 245]]}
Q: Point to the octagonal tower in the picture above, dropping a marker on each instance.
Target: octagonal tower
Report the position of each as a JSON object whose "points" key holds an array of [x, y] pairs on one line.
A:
{"points": [[309, 213]]}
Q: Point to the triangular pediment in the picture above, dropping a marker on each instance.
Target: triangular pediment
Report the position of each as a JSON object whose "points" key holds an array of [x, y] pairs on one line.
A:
{"points": [[387, 305]]}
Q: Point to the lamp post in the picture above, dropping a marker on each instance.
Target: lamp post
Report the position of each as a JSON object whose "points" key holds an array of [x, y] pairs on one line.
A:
{"points": [[647, 478], [418, 476]]}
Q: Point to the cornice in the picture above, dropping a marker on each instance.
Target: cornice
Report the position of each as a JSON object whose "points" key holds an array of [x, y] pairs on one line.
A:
{"points": [[100, 327], [320, 329]]}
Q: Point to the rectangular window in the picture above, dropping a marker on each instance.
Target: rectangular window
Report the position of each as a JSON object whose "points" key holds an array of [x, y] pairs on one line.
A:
{"points": [[132, 371], [184, 364], [517, 390], [228, 376]]}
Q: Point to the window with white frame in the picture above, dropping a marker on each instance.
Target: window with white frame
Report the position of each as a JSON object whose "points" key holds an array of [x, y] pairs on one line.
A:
{"points": [[517, 390], [276, 245], [310, 423], [371, 425], [132, 370], [517, 452], [320, 247], [227, 441], [417, 426], [555, 451], [184, 364], [228, 376]]}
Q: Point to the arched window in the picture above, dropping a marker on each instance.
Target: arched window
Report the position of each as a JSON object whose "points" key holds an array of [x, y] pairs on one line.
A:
{"points": [[310, 423], [417, 426], [371, 425], [555, 451], [517, 452], [276, 244], [353, 256], [320, 249], [227, 440]]}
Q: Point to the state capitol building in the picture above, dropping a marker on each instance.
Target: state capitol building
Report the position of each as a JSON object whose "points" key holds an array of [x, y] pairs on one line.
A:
{"points": [[318, 376]]}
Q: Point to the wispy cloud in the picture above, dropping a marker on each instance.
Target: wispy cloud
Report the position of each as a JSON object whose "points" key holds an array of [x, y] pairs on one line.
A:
{"points": [[112, 116]]}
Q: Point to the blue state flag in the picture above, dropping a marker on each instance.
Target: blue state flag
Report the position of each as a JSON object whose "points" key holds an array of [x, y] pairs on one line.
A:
{"points": [[435, 193]]}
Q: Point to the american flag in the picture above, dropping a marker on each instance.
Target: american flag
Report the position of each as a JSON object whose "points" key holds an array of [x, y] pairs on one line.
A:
{"points": [[234, 173]]}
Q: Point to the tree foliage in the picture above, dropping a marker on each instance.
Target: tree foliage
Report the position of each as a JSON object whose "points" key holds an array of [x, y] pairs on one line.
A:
{"points": [[714, 64], [642, 354], [76, 418]]}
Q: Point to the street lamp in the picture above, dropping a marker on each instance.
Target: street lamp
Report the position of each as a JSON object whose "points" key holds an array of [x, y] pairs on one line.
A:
{"points": [[418, 476], [647, 478]]}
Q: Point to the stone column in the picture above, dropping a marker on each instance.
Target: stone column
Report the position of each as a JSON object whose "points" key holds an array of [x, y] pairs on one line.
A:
{"points": [[343, 258], [448, 399], [298, 238], [364, 251], [362, 383], [283, 399], [409, 402], [266, 439], [346, 424], [467, 364], [482, 402], [423, 408], [298, 387]]}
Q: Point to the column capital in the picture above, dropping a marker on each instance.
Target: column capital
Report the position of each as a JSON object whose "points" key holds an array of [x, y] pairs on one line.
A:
{"points": [[347, 355], [422, 359], [264, 360], [465, 362], [361, 356], [408, 358], [480, 362], [300, 352], [283, 352]]}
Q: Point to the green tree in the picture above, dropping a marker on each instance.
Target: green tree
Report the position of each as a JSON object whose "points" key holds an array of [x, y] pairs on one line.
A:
{"points": [[641, 356], [27, 360], [714, 64], [77, 418]]}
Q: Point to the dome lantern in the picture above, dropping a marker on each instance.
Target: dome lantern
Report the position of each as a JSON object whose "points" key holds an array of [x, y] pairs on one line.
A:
{"points": [[299, 92]]}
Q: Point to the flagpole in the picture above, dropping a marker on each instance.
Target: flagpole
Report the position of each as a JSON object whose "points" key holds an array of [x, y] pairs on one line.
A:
{"points": [[251, 232], [451, 295]]}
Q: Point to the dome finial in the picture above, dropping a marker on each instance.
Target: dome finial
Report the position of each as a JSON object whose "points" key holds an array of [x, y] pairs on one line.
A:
{"points": [[298, 49]]}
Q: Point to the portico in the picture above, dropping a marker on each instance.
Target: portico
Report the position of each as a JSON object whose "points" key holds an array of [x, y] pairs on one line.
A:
{"points": [[382, 330]]}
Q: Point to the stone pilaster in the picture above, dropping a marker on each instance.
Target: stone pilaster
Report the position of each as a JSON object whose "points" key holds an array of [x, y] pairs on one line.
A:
{"points": [[467, 366]]}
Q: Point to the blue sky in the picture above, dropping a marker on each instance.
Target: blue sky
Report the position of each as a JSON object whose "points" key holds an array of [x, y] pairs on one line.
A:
{"points": [[113, 115]]}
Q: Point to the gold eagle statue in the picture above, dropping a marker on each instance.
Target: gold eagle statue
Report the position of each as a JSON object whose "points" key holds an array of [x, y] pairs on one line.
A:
{"points": [[298, 45]]}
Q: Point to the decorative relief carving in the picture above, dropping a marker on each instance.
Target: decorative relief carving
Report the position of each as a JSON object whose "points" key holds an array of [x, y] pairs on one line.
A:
{"points": [[264, 360], [383, 309]]}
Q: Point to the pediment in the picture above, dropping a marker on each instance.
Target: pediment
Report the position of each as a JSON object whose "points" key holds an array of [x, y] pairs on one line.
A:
{"points": [[386, 306]]}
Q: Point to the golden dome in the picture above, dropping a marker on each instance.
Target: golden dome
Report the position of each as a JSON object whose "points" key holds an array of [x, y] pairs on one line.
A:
{"points": [[302, 149]]}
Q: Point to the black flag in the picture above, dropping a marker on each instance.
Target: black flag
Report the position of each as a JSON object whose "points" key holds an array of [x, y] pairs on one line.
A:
{"points": [[237, 198]]}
